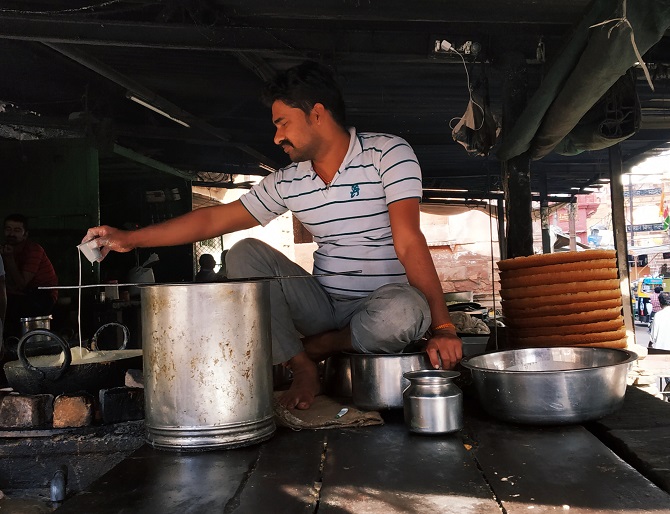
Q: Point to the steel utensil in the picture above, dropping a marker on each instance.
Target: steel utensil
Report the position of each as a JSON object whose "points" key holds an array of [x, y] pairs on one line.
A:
{"points": [[77, 370], [556, 385], [432, 403], [337, 375], [377, 380], [207, 365]]}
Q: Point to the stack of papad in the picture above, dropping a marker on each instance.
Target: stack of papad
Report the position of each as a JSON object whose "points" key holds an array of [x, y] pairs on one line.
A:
{"points": [[563, 299]]}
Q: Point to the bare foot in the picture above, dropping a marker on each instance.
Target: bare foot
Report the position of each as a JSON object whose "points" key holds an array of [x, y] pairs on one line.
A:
{"points": [[321, 346], [305, 386]]}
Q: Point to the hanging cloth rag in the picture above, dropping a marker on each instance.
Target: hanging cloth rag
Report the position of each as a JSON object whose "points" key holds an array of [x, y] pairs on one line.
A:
{"points": [[477, 130]]}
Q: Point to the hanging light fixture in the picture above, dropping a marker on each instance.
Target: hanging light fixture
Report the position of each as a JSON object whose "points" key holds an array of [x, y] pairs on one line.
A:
{"points": [[144, 103]]}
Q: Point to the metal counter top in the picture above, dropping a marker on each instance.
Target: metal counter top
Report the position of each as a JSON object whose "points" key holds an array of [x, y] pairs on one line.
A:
{"points": [[488, 467]]}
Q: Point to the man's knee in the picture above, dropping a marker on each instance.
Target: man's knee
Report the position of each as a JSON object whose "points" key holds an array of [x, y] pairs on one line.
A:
{"points": [[401, 300], [241, 255], [394, 316]]}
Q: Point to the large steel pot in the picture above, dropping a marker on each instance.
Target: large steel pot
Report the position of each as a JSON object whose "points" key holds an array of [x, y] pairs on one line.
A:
{"points": [[377, 380], [337, 376], [207, 364], [557, 385], [74, 369]]}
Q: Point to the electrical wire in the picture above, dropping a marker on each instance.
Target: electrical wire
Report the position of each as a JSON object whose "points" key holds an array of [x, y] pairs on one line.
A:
{"points": [[467, 76]]}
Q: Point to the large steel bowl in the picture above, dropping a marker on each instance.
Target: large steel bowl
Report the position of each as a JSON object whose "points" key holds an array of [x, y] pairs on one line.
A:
{"points": [[548, 386]]}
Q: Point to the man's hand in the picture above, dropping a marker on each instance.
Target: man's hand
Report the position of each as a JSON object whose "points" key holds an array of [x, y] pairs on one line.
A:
{"points": [[7, 250], [109, 238], [446, 347]]}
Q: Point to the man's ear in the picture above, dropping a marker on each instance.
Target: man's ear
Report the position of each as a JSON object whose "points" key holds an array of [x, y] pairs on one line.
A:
{"points": [[318, 111]]}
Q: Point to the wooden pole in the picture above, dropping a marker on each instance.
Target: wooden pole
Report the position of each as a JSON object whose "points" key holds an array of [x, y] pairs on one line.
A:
{"points": [[544, 215], [572, 209], [516, 171], [502, 238], [620, 237]]}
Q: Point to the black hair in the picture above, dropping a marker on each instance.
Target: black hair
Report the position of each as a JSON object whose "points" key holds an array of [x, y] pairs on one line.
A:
{"points": [[658, 289], [19, 218], [664, 299], [305, 85], [206, 260]]}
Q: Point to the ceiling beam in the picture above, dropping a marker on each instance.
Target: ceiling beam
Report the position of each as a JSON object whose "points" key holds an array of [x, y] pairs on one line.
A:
{"points": [[151, 97], [149, 162], [406, 40], [566, 12], [256, 65]]}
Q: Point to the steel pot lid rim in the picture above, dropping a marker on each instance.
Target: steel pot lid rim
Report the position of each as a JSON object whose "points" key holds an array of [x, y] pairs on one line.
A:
{"points": [[431, 375]]}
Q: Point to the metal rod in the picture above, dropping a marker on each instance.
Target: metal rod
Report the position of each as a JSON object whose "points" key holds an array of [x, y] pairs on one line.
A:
{"points": [[352, 272]]}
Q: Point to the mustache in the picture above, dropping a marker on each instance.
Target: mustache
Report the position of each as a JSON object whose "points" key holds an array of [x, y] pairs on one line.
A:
{"points": [[285, 142]]}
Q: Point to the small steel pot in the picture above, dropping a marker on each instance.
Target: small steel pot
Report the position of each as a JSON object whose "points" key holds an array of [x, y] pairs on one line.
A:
{"points": [[377, 380], [36, 323], [433, 403]]}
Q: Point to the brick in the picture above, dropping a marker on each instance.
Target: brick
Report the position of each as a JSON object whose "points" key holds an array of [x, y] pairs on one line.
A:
{"points": [[73, 411], [26, 411], [121, 404]]}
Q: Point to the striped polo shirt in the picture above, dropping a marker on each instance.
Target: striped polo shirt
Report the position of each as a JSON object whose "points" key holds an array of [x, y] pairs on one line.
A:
{"points": [[349, 219]]}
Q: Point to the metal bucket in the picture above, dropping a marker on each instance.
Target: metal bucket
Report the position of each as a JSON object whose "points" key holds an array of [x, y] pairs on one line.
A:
{"points": [[207, 365]]}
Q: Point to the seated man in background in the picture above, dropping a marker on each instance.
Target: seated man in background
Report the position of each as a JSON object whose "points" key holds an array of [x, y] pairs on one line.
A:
{"points": [[3, 300], [27, 268], [206, 273]]}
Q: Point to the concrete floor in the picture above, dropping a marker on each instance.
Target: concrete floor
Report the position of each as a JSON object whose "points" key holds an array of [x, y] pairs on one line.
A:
{"points": [[642, 334]]}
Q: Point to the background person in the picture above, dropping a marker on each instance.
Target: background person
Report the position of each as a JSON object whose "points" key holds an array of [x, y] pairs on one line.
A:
{"points": [[222, 275], [27, 268], [660, 325], [358, 194], [206, 273], [3, 301], [653, 300]]}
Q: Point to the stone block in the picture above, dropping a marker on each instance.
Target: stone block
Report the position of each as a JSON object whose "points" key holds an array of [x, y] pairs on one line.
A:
{"points": [[121, 404], [73, 411], [26, 411]]}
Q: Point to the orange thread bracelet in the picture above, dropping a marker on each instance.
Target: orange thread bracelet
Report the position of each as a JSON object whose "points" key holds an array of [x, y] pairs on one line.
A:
{"points": [[444, 325]]}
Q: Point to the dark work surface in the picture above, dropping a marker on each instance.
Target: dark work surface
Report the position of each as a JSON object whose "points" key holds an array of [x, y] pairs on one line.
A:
{"points": [[488, 467], [640, 434], [563, 469]]}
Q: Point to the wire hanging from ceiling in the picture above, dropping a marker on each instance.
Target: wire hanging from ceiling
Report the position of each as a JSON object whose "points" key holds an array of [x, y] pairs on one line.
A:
{"points": [[445, 46]]}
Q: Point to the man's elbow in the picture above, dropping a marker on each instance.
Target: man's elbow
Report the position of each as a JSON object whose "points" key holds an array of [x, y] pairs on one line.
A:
{"points": [[405, 247]]}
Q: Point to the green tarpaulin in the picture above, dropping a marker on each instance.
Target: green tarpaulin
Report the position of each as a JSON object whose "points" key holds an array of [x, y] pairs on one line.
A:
{"points": [[592, 61]]}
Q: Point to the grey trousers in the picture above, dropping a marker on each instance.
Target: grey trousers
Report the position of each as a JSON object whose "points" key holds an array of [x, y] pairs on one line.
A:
{"points": [[384, 322]]}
